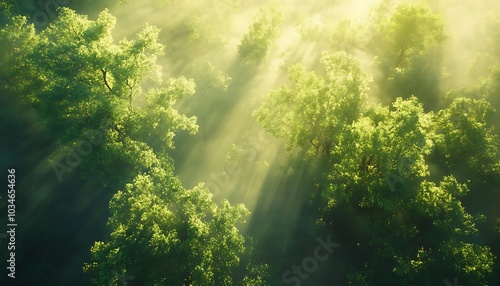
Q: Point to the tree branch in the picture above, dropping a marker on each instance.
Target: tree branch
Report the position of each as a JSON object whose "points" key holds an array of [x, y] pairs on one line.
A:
{"points": [[316, 146], [401, 55], [131, 90], [105, 80]]}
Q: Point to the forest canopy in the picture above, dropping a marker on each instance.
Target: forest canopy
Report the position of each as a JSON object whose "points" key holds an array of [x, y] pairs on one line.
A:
{"points": [[382, 140]]}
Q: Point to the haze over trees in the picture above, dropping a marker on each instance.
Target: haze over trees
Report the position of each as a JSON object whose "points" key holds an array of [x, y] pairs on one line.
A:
{"points": [[378, 142], [318, 108], [261, 34], [84, 79]]}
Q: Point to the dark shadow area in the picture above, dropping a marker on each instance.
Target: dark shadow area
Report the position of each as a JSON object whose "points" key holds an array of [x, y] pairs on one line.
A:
{"points": [[58, 222]]}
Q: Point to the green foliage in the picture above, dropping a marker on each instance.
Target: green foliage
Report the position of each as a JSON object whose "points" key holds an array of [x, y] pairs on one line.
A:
{"points": [[486, 87], [308, 29], [195, 31], [201, 33], [395, 184], [318, 107], [6, 9], [17, 39], [348, 35], [466, 144], [197, 34], [82, 83], [407, 229], [77, 57], [163, 233], [406, 48], [209, 80], [379, 180], [492, 26], [258, 276], [377, 153], [77, 78], [261, 34], [410, 32], [161, 120]]}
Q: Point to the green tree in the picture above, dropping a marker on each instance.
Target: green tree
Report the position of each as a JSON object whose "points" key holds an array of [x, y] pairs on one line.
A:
{"points": [[316, 110], [261, 34], [78, 78], [408, 230], [487, 88], [5, 9], [209, 79], [308, 29], [258, 275], [163, 233], [405, 45], [17, 39], [411, 31], [348, 35], [376, 196], [161, 121], [466, 145], [87, 87]]}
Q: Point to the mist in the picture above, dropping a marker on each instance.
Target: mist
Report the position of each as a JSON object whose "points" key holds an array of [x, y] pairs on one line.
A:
{"points": [[232, 154], [225, 113]]}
